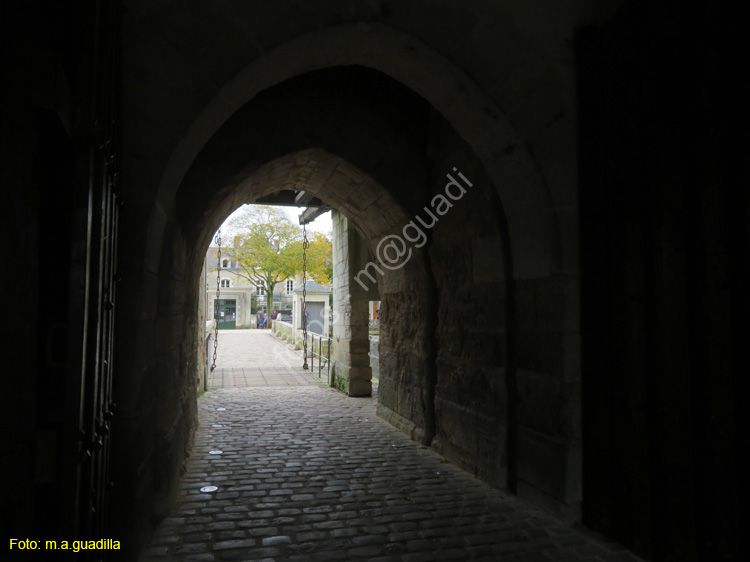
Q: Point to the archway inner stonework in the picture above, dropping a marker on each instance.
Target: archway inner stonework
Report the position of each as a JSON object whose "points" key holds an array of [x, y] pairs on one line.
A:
{"points": [[479, 344], [567, 329]]}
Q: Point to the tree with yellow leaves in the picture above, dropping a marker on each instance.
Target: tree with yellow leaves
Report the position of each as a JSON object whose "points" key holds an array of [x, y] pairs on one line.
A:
{"points": [[268, 249]]}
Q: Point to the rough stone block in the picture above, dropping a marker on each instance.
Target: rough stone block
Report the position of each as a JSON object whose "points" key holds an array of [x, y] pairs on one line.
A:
{"points": [[548, 405], [544, 463]]}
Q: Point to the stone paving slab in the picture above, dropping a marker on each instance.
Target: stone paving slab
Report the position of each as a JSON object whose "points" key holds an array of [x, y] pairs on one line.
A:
{"points": [[250, 376], [248, 358], [306, 474]]}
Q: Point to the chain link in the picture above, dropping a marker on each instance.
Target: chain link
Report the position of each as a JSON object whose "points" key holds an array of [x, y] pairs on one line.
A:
{"points": [[305, 245], [217, 239]]}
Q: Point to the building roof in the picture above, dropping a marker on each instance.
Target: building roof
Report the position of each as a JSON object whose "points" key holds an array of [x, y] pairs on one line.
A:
{"points": [[226, 254], [312, 287]]}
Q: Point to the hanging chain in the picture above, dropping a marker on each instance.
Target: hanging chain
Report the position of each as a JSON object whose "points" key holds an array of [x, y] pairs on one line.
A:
{"points": [[217, 239], [305, 245]]}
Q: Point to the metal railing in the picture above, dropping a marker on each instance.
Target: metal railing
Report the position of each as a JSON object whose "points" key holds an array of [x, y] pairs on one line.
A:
{"points": [[209, 349], [319, 353], [372, 339]]}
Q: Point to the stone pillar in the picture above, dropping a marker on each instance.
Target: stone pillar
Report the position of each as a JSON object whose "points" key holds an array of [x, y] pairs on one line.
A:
{"points": [[202, 379], [351, 371]]}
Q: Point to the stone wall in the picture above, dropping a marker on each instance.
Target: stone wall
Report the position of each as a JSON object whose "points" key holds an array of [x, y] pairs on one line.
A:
{"points": [[368, 108], [368, 105], [664, 221], [351, 371], [383, 161], [471, 275]]}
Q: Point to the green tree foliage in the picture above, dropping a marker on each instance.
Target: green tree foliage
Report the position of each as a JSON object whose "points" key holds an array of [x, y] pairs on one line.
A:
{"points": [[268, 249], [319, 257]]}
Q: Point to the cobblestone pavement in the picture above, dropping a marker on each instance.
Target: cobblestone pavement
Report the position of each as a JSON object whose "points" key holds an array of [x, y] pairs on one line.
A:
{"points": [[258, 358], [305, 473]]}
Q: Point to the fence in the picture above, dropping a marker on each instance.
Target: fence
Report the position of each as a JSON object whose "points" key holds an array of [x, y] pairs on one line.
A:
{"points": [[375, 339], [209, 352], [323, 355], [374, 353]]}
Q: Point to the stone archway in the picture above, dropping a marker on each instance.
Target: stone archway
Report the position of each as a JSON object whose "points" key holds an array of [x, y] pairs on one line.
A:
{"points": [[662, 225], [370, 208], [472, 113], [523, 251]]}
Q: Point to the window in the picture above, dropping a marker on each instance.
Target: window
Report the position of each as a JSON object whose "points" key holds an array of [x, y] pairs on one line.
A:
{"points": [[225, 263], [289, 286], [259, 290], [225, 283]]}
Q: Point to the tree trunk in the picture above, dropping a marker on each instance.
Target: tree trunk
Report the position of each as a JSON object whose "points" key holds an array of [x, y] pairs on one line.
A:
{"points": [[269, 302]]}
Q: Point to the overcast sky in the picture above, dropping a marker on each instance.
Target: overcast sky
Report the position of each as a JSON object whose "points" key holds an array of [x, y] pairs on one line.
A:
{"points": [[321, 224]]}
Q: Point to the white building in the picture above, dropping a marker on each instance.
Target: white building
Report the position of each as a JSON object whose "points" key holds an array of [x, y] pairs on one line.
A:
{"points": [[240, 298]]}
